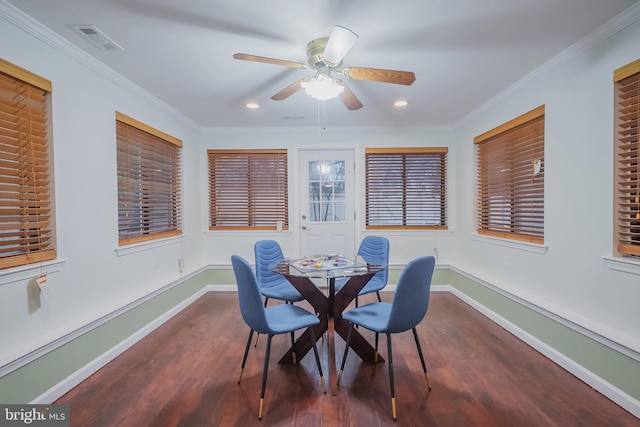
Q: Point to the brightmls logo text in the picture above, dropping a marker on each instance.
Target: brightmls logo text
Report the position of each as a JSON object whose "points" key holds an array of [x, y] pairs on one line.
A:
{"points": [[34, 415]]}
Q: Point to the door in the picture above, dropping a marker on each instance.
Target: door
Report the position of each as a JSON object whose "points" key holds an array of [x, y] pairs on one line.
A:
{"points": [[327, 213]]}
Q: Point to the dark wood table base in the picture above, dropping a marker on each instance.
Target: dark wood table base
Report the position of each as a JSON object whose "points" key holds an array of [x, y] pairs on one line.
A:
{"points": [[329, 309]]}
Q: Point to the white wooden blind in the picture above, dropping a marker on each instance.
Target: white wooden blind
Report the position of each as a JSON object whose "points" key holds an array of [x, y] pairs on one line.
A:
{"points": [[248, 189], [627, 158], [26, 176], [149, 191], [406, 188], [510, 179]]}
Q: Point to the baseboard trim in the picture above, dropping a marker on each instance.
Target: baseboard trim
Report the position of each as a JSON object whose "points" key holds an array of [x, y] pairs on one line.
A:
{"points": [[89, 369], [616, 395], [613, 393]]}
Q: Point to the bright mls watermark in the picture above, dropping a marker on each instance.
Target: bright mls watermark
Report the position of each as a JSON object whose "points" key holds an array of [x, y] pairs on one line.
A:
{"points": [[34, 415]]}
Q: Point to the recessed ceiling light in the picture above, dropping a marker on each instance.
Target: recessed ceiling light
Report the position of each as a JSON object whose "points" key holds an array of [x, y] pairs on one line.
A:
{"points": [[253, 106], [400, 103]]}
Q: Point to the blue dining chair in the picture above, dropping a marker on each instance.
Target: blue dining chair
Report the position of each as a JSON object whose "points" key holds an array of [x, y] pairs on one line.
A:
{"points": [[408, 308], [272, 285], [279, 319], [374, 250]]}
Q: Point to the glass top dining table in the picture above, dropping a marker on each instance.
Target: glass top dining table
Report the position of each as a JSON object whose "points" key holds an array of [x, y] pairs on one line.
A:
{"points": [[329, 306]]}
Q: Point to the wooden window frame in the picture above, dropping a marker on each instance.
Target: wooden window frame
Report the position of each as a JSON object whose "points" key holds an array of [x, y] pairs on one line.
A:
{"points": [[381, 199], [627, 160], [510, 172], [248, 189], [27, 211], [149, 182]]}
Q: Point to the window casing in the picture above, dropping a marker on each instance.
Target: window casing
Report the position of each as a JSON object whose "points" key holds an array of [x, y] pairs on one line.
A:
{"points": [[627, 159], [149, 190], [510, 179], [248, 190], [27, 233], [406, 188]]}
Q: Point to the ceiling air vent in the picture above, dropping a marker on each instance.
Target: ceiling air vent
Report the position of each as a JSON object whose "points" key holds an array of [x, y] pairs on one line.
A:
{"points": [[95, 36]]}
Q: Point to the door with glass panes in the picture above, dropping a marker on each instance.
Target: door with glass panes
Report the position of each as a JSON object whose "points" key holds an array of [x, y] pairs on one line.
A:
{"points": [[327, 219]]}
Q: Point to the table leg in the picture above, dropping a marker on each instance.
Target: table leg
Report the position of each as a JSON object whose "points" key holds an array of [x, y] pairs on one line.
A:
{"points": [[333, 376], [329, 309]]}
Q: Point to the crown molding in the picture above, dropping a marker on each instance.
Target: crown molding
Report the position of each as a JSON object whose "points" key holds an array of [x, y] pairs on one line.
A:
{"points": [[597, 36], [21, 20]]}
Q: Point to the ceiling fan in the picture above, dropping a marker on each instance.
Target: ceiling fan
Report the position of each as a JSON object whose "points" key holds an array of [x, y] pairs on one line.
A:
{"points": [[325, 55]]}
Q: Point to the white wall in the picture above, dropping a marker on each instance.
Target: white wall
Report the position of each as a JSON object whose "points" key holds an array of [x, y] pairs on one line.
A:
{"points": [[93, 280], [219, 246], [570, 278]]}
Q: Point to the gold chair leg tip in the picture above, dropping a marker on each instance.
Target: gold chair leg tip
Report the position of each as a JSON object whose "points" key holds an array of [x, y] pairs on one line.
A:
{"points": [[260, 410], [393, 408]]}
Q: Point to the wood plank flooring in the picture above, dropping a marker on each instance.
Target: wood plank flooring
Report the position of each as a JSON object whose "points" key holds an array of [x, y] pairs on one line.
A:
{"points": [[185, 374]]}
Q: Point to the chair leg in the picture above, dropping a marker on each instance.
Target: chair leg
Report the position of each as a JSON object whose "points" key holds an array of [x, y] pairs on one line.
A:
{"points": [[393, 391], [375, 356], [264, 375], [378, 293], [266, 299], [315, 351], [293, 350], [246, 352], [424, 365], [344, 356]]}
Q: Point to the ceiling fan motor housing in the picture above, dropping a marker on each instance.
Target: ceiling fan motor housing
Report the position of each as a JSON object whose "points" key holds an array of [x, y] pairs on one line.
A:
{"points": [[315, 55]]}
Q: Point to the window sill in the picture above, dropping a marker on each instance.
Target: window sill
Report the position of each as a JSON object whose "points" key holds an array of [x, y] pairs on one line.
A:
{"points": [[396, 232], [151, 244], [247, 232], [622, 264], [513, 244], [24, 272]]}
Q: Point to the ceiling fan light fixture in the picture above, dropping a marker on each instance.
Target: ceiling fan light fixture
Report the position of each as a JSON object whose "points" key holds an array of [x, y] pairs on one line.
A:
{"points": [[322, 88], [340, 42]]}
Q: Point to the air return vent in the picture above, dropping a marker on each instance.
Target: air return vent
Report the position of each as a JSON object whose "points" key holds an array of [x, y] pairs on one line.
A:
{"points": [[95, 36]]}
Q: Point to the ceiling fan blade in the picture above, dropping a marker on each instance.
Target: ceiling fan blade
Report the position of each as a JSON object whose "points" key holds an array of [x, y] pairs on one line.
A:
{"points": [[267, 60], [289, 90], [340, 42], [380, 75], [349, 99]]}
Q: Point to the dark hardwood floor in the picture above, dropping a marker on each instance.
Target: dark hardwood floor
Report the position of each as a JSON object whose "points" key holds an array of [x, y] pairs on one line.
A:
{"points": [[185, 374]]}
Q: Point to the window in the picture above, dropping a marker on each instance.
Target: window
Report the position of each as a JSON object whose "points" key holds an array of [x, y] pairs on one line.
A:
{"points": [[248, 190], [26, 175], [149, 202], [406, 188], [327, 187], [510, 181], [627, 156]]}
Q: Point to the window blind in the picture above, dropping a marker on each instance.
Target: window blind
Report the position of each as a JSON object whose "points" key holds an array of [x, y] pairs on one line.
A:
{"points": [[149, 198], [26, 175], [510, 179], [627, 158], [406, 188], [248, 189]]}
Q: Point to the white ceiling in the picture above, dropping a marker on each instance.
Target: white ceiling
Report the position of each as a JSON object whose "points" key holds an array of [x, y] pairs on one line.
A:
{"points": [[463, 52]]}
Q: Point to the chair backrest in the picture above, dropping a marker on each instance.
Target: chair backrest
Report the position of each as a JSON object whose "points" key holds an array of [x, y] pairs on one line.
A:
{"points": [[267, 253], [411, 298], [375, 250], [249, 296]]}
